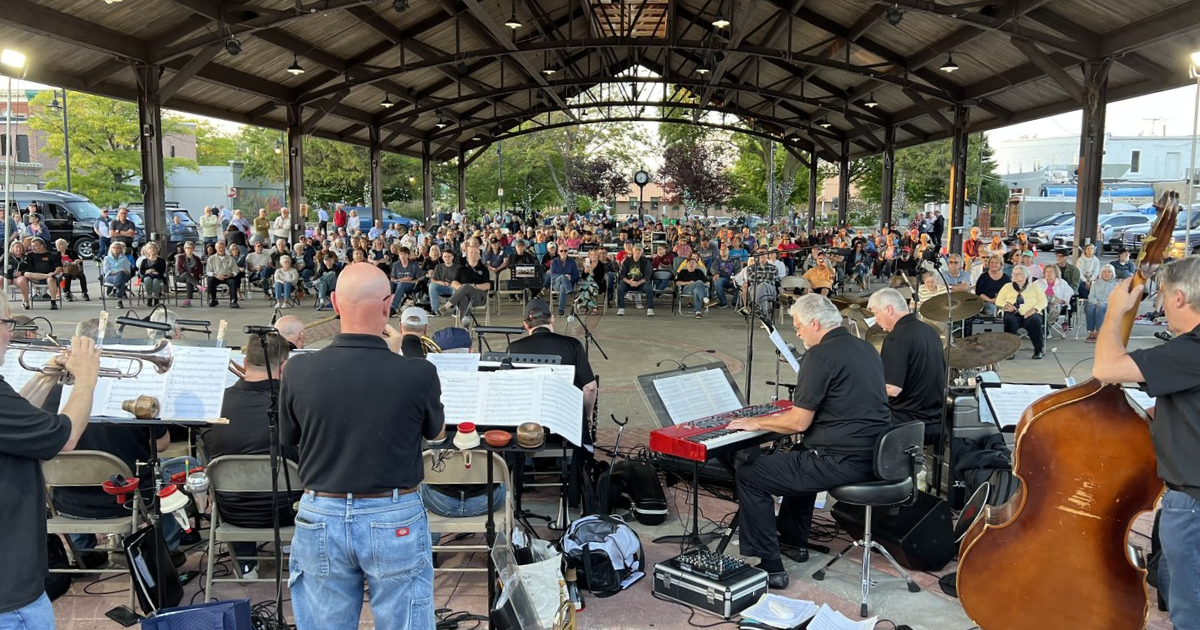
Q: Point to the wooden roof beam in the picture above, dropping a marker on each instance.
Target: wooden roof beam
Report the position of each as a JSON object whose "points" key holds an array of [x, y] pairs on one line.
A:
{"points": [[34, 18], [1044, 63]]}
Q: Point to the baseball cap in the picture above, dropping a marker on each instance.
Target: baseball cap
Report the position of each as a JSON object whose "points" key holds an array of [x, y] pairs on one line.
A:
{"points": [[414, 316], [536, 307]]}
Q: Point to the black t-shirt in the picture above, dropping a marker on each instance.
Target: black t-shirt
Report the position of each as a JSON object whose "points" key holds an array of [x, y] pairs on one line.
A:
{"points": [[131, 445], [359, 430], [249, 433], [28, 435], [690, 276], [472, 275], [913, 361], [1172, 373], [117, 225], [841, 379], [44, 262], [986, 286]]}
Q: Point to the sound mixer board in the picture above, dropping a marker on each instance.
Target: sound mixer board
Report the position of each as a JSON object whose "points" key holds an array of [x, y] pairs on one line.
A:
{"points": [[709, 564]]}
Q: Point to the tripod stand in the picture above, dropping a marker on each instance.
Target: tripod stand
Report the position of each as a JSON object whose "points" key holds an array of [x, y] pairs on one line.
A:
{"points": [[588, 338]]}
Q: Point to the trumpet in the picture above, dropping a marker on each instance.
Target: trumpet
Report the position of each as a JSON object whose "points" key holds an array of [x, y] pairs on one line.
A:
{"points": [[160, 356]]}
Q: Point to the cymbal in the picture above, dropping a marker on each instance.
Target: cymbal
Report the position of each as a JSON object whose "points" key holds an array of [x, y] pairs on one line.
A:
{"points": [[856, 310], [983, 349], [876, 335], [843, 302], [959, 306]]}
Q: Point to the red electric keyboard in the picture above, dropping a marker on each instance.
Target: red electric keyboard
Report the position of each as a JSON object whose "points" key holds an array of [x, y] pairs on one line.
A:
{"points": [[706, 438]]}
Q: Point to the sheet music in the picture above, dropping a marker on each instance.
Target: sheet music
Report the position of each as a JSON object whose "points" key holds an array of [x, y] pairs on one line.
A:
{"points": [[696, 395], [17, 376], [1009, 401], [460, 396], [1144, 400], [508, 398], [454, 362], [781, 345], [188, 393], [830, 619], [185, 392]]}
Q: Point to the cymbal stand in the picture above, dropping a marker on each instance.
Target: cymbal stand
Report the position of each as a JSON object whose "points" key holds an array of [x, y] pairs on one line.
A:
{"points": [[943, 442]]}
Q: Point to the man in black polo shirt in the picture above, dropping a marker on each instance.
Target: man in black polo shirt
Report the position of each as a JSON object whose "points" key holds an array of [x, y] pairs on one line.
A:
{"points": [[1171, 373], [914, 367], [361, 466], [246, 404], [539, 323], [841, 408], [29, 435]]}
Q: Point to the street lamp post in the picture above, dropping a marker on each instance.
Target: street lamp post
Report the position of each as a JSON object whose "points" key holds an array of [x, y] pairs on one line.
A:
{"points": [[66, 134], [1191, 179], [500, 174], [15, 61]]}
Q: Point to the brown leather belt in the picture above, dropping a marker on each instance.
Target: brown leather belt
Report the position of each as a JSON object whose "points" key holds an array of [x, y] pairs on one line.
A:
{"points": [[348, 495]]}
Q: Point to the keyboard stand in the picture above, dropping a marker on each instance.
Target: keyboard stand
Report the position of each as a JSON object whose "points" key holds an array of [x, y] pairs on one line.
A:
{"points": [[694, 539]]}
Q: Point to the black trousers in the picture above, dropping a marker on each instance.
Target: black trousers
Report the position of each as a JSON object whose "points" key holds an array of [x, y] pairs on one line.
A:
{"points": [[796, 476], [1032, 325]]}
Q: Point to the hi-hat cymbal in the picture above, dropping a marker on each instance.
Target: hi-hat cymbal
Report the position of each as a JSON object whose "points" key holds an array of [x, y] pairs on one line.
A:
{"points": [[983, 349], [856, 310], [843, 302], [958, 307]]}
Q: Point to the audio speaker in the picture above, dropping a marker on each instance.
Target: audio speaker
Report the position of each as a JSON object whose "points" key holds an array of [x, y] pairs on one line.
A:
{"points": [[919, 536]]}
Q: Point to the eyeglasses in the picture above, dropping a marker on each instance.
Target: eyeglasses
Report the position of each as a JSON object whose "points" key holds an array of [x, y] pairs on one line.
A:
{"points": [[10, 324]]}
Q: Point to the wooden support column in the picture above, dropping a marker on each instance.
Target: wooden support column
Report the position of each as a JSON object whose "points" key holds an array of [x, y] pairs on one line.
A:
{"points": [[812, 187], [295, 167], [958, 176], [426, 180], [462, 181], [843, 182], [888, 185], [149, 105], [1091, 151], [376, 176]]}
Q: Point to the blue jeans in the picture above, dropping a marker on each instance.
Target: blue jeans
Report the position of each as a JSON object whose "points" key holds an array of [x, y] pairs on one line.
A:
{"points": [[442, 503], [699, 292], [325, 285], [722, 284], [401, 289], [1179, 569], [562, 284], [36, 616], [339, 542], [436, 293], [283, 291], [646, 288], [117, 279], [1095, 315]]}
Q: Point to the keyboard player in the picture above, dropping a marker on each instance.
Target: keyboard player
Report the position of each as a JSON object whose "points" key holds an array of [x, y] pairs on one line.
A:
{"points": [[840, 407]]}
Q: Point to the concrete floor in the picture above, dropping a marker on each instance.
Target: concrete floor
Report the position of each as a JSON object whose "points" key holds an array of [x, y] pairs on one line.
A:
{"points": [[634, 343]]}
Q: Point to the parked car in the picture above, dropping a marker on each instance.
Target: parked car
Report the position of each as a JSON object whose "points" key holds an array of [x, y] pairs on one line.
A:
{"points": [[388, 217], [191, 228], [68, 216], [1133, 237], [1041, 224], [1108, 223]]}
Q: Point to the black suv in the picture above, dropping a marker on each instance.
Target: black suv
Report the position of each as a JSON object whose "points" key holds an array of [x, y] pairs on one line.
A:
{"points": [[67, 216]]}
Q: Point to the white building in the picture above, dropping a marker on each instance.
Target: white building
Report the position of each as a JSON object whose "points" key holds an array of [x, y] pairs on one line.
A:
{"points": [[1129, 158]]}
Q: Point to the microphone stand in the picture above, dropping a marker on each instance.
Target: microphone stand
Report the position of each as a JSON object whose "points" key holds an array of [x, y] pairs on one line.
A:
{"points": [[944, 439], [273, 424], [588, 338]]}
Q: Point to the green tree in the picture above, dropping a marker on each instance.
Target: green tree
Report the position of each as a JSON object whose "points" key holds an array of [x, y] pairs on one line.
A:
{"points": [[214, 147], [750, 173], [924, 172], [105, 146]]}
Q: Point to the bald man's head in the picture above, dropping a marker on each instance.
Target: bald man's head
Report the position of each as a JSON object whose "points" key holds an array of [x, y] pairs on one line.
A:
{"points": [[291, 328], [362, 299]]}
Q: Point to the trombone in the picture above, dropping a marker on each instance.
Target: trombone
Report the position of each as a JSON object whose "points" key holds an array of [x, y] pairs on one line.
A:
{"points": [[160, 356]]}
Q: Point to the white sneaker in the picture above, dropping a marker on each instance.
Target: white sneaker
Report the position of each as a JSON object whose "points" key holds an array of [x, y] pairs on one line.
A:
{"points": [[252, 574], [649, 312], [278, 305], [620, 311]]}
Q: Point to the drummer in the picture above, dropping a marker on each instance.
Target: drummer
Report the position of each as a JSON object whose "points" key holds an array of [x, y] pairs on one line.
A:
{"points": [[914, 368]]}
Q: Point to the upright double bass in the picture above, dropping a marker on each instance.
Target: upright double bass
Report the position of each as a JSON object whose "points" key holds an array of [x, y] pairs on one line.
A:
{"points": [[1056, 554]]}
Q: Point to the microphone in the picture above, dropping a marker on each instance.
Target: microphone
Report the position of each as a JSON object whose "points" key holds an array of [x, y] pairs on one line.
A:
{"points": [[258, 330], [122, 322], [1066, 375]]}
